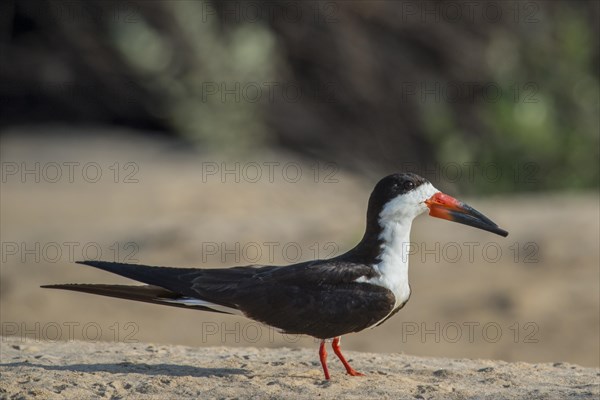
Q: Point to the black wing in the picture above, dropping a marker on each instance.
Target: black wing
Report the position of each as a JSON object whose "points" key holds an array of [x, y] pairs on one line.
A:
{"points": [[319, 298]]}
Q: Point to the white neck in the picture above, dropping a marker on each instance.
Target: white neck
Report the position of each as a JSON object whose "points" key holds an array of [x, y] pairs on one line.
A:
{"points": [[393, 267], [395, 220]]}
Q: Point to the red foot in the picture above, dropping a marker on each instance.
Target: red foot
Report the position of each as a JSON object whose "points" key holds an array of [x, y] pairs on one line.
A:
{"points": [[338, 352], [353, 372]]}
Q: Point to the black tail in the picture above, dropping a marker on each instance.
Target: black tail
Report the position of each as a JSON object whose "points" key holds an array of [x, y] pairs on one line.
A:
{"points": [[165, 277], [218, 286], [147, 293], [178, 280]]}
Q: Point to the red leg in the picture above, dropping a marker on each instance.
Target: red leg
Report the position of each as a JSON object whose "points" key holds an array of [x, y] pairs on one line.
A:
{"points": [[323, 357], [338, 352]]}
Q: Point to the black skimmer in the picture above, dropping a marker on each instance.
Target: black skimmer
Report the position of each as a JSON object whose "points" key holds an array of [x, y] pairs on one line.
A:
{"points": [[322, 298]]}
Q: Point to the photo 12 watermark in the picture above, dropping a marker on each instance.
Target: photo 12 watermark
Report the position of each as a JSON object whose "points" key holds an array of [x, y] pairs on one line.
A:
{"points": [[410, 331], [469, 332], [267, 92], [289, 12], [430, 252], [67, 252], [267, 251], [69, 172], [269, 172], [472, 252], [54, 331], [461, 92], [468, 11], [73, 11], [305, 12], [473, 172]]}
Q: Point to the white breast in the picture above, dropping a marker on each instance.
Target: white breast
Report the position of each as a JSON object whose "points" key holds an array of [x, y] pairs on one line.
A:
{"points": [[392, 270]]}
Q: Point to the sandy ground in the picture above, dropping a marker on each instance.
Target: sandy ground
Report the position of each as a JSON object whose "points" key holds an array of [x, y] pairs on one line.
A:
{"points": [[145, 371], [538, 301]]}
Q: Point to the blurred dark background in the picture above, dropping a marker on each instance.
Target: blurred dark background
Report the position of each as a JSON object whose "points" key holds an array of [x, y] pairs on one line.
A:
{"points": [[370, 85]]}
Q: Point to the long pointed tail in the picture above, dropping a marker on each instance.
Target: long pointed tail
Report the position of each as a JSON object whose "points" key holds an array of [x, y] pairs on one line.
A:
{"points": [[192, 287], [165, 277], [146, 293]]}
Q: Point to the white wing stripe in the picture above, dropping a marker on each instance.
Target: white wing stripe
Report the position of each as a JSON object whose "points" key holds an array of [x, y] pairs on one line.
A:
{"points": [[190, 301]]}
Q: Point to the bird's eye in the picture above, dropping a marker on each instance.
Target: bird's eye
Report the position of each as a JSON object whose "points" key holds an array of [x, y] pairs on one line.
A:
{"points": [[409, 185]]}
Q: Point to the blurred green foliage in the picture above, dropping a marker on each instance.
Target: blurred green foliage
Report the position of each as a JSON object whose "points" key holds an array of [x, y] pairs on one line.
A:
{"points": [[195, 81], [538, 125], [543, 131]]}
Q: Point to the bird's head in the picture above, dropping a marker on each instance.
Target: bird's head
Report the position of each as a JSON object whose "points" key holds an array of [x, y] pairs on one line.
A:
{"points": [[402, 197]]}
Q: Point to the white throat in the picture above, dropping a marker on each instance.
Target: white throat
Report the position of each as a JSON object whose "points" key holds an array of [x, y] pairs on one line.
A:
{"points": [[392, 269], [396, 220]]}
